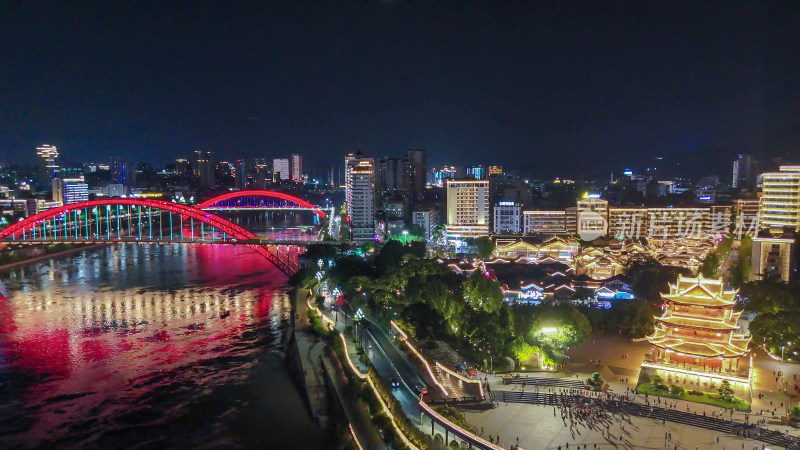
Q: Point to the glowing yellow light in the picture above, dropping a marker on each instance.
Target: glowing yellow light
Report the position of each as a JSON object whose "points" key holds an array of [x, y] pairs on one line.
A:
{"points": [[355, 439], [391, 417], [461, 377], [430, 411], [421, 358], [349, 361]]}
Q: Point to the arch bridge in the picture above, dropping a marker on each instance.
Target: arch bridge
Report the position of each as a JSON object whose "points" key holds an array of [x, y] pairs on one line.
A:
{"points": [[262, 200], [145, 221]]}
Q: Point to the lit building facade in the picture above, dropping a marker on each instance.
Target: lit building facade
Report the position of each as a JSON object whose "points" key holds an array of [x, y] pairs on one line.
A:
{"points": [[467, 209], [544, 222], [428, 220], [281, 169], [507, 217], [477, 172], [780, 199], [48, 167], [70, 190], [204, 167], [360, 201], [562, 249], [440, 176], [297, 167], [774, 247], [699, 332]]}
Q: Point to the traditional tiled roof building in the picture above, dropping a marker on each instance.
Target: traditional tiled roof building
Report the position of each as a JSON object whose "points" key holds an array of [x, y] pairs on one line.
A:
{"points": [[699, 329]]}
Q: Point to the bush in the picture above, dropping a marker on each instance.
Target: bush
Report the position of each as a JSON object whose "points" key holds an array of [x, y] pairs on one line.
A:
{"points": [[656, 380], [795, 414], [676, 390], [695, 392], [505, 364], [595, 380]]}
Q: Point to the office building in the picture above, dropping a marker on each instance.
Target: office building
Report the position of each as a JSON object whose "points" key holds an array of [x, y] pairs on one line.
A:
{"points": [[67, 191], [360, 201], [122, 171], [297, 168], [427, 219], [775, 246], [745, 216], [204, 167], [467, 209], [544, 222], [48, 166], [281, 169], [495, 171], [780, 199], [388, 175], [507, 217], [477, 172], [440, 176], [416, 172], [745, 173]]}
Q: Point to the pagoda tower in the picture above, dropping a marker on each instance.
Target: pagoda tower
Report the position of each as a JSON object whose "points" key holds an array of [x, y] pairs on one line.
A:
{"points": [[698, 330]]}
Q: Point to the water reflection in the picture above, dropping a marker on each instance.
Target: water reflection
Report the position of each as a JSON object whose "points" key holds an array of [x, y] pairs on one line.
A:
{"points": [[103, 345]]}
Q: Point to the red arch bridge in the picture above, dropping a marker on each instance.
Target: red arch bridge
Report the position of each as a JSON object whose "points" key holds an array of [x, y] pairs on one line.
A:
{"points": [[259, 200], [145, 221]]}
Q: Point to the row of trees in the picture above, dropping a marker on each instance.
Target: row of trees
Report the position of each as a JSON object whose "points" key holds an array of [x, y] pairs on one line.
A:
{"points": [[467, 311], [777, 325]]}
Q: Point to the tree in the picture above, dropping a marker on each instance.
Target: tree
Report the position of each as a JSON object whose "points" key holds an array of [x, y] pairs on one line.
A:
{"points": [[485, 247], [656, 380], [725, 390], [741, 271], [482, 294], [710, 265]]}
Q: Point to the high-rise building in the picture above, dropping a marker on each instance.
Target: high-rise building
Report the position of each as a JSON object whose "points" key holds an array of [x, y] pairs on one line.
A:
{"points": [[477, 172], [67, 191], [745, 172], [443, 174], [427, 219], [467, 209], [417, 168], [263, 173], [507, 217], [774, 247], [297, 168], [280, 169], [388, 175], [183, 168], [122, 171], [780, 199], [204, 167], [360, 201], [48, 167], [544, 222]]}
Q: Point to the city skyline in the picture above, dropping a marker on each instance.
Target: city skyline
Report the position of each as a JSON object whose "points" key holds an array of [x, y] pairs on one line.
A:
{"points": [[527, 85]]}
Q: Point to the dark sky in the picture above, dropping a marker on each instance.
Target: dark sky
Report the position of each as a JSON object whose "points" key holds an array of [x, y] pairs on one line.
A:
{"points": [[516, 83]]}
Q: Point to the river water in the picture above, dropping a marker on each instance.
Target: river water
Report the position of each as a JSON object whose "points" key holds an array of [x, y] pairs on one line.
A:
{"points": [[149, 346]]}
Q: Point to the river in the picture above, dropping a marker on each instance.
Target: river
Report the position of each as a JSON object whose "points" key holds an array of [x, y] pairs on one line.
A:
{"points": [[149, 346]]}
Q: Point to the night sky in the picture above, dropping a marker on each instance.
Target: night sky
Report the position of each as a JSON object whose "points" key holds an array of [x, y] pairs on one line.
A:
{"points": [[524, 84]]}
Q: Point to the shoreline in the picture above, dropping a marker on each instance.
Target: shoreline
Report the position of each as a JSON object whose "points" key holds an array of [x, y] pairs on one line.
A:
{"points": [[41, 258]]}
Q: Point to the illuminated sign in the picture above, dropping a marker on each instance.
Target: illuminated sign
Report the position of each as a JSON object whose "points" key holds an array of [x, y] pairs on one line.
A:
{"points": [[506, 204]]}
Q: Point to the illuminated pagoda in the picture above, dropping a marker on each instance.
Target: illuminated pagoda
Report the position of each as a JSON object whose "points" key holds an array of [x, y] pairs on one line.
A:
{"points": [[698, 332]]}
